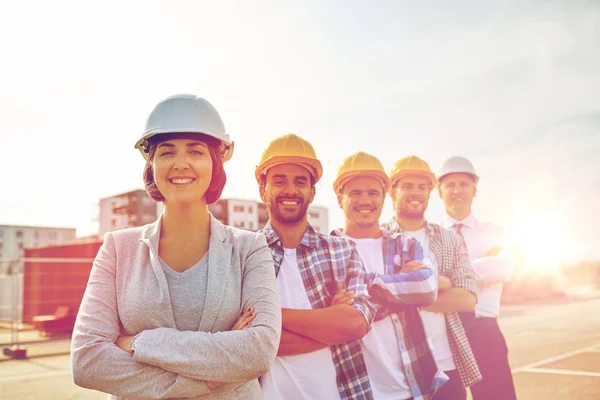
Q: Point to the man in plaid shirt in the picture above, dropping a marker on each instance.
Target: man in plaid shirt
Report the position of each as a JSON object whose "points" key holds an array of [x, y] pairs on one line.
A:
{"points": [[319, 355], [397, 351], [412, 182]]}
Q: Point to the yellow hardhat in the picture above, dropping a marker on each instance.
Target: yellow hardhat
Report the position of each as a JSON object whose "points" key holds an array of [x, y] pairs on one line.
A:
{"points": [[292, 149], [411, 165], [360, 164]]}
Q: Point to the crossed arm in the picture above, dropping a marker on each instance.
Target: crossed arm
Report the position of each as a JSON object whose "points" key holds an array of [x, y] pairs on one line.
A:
{"points": [[415, 286], [170, 363], [456, 291], [413, 283], [496, 266], [345, 319], [305, 331]]}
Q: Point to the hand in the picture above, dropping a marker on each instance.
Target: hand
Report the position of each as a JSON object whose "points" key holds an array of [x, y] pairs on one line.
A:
{"points": [[444, 282], [412, 266], [124, 343], [494, 251], [214, 385], [244, 321], [343, 297]]}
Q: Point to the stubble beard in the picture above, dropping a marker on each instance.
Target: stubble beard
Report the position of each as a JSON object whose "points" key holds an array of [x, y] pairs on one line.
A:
{"points": [[414, 215], [289, 218]]}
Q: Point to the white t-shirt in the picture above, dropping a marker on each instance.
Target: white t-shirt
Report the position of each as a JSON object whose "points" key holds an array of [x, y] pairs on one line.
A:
{"points": [[304, 376], [435, 323], [380, 347]]}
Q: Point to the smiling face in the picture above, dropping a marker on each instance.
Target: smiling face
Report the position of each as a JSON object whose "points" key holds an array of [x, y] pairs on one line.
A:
{"points": [[182, 170], [457, 191], [287, 191], [362, 200], [410, 195]]}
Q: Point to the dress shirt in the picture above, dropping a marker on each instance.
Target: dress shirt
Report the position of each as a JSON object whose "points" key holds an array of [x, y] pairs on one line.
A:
{"points": [[491, 270]]}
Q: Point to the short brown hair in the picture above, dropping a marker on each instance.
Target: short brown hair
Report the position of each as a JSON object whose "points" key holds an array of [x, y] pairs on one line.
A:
{"points": [[217, 181]]}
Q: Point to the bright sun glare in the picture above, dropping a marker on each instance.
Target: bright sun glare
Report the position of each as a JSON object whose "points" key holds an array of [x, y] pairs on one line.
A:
{"points": [[542, 242]]}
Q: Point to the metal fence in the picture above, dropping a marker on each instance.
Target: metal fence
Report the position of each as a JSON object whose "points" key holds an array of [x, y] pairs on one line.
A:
{"points": [[32, 289]]}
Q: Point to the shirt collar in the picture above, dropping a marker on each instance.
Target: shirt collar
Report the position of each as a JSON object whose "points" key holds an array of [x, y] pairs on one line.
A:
{"points": [[394, 227], [448, 222], [340, 232], [337, 232], [310, 238]]}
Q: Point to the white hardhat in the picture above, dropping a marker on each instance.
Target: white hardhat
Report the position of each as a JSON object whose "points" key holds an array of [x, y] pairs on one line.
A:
{"points": [[457, 165], [185, 113]]}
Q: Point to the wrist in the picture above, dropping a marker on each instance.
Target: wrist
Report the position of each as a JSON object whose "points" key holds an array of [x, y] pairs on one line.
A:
{"points": [[133, 343]]}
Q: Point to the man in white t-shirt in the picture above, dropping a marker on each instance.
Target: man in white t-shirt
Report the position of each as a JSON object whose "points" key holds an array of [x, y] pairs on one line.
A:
{"points": [[319, 356], [493, 264], [412, 182], [397, 351]]}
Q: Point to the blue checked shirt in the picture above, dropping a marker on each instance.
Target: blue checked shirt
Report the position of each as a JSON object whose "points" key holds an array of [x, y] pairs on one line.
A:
{"points": [[453, 261], [398, 295], [327, 265]]}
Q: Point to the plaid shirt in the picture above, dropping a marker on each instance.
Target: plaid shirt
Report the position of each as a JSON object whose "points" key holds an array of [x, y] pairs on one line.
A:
{"points": [[453, 261], [327, 265], [398, 295]]}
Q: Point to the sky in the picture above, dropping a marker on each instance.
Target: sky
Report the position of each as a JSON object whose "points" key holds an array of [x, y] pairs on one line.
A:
{"points": [[514, 86]]}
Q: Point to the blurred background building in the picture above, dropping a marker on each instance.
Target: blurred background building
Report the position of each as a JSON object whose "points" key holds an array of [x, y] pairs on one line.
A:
{"points": [[35, 287], [14, 239], [125, 210], [252, 215]]}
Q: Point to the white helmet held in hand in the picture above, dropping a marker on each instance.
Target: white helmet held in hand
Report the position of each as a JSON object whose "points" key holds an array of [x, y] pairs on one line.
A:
{"points": [[185, 113], [457, 165]]}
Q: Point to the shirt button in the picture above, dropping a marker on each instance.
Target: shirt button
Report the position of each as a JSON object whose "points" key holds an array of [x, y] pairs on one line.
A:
{"points": [[279, 243], [277, 258]]}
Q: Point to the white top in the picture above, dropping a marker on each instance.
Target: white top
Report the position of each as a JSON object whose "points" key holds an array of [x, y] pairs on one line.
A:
{"points": [[491, 271], [434, 322], [380, 345], [304, 376]]}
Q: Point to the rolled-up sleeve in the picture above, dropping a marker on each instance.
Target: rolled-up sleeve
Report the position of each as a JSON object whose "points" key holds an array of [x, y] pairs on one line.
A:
{"points": [[357, 282]]}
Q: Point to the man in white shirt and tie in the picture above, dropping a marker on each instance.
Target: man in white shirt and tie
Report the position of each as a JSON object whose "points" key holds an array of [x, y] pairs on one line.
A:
{"points": [[493, 264]]}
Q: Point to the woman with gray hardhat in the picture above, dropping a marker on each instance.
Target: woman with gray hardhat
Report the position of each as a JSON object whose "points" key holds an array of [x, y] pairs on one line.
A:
{"points": [[185, 306]]}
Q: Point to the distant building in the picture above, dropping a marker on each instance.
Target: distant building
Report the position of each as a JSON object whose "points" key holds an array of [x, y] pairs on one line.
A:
{"points": [[253, 215], [14, 238], [244, 214], [319, 218], [126, 210], [136, 208]]}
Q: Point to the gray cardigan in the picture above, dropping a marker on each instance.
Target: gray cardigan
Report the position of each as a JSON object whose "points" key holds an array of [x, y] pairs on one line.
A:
{"points": [[127, 294]]}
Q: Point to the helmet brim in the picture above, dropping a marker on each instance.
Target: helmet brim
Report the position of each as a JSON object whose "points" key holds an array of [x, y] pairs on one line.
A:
{"points": [[381, 176], [408, 172], [142, 144], [314, 166]]}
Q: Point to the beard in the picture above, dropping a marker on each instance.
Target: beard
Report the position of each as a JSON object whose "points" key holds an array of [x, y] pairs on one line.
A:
{"points": [[366, 224], [363, 222], [286, 216], [410, 214]]}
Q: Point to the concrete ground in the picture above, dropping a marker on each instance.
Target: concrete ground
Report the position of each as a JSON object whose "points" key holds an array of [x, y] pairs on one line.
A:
{"points": [[554, 353]]}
